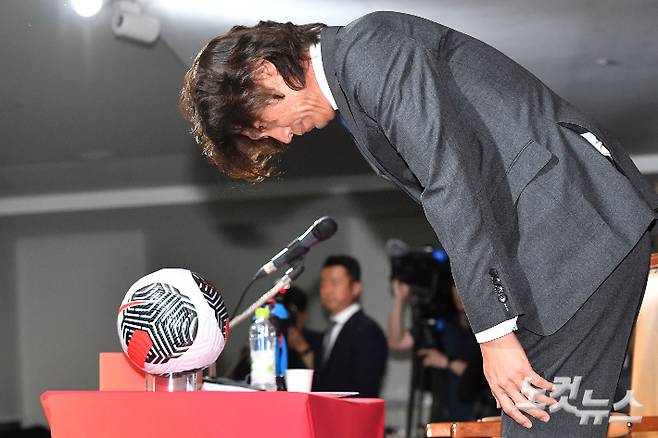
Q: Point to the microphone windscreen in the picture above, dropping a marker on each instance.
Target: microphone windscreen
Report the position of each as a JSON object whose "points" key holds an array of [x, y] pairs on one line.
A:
{"points": [[324, 228]]}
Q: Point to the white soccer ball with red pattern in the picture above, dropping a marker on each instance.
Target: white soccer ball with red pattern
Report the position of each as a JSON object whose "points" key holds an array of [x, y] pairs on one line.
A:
{"points": [[172, 321]]}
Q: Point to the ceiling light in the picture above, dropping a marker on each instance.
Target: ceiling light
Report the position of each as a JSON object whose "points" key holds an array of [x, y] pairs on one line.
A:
{"points": [[87, 8]]}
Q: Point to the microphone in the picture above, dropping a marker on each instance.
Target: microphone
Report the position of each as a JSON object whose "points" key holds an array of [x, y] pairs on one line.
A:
{"points": [[322, 229]]}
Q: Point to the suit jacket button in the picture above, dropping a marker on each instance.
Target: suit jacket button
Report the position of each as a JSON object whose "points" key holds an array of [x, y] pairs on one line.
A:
{"points": [[502, 298], [493, 272]]}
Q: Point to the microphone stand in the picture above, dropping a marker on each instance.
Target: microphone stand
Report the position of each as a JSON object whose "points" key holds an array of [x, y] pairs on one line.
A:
{"points": [[283, 283], [417, 382], [279, 318], [424, 329]]}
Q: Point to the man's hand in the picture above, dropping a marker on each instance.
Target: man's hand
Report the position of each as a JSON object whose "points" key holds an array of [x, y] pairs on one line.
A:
{"points": [[400, 290], [433, 358], [296, 340], [506, 366]]}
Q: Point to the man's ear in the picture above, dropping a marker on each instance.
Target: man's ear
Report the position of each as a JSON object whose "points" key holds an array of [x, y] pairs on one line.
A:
{"points": [[357, 287]]}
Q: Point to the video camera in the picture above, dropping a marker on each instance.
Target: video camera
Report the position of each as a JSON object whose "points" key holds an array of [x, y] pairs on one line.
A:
{"points": [[427, 271]]}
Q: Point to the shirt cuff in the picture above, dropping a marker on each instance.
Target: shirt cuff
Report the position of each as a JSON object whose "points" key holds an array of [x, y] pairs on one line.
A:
{"points": [[498, 331]]}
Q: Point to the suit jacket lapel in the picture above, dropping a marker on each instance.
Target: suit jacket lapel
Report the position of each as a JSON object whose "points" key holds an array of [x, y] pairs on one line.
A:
{"points": [[328, 37]]}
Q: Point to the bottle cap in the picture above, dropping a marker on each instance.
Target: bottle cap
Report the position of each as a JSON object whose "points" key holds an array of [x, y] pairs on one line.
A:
{"points": [[262, 313]]}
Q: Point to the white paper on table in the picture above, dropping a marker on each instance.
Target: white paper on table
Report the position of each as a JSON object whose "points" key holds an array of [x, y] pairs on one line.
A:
{"points": [[207, 386]]}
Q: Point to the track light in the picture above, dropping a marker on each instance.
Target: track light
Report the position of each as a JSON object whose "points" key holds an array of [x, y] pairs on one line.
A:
{"points": [[129, 22], [87, 8]]}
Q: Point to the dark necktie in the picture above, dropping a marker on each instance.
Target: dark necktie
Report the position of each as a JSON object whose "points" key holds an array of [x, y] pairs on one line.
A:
{"points": [[343, 123], [326, 341], [341, 120]]}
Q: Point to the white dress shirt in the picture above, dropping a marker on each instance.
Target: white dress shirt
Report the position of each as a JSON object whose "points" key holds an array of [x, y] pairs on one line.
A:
{"points": [[504, 328], [339, 320], [315, 53]]}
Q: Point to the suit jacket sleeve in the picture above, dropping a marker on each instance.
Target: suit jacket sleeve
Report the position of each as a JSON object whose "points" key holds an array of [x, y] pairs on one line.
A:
{"points": [[403, 86]]}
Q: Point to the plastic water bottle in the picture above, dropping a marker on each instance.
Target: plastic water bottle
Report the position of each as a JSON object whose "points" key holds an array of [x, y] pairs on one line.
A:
{"points": [[262, 342]]}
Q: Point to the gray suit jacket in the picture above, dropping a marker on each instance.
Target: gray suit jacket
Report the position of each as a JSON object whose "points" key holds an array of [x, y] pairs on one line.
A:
{"points": [[532, 216]]}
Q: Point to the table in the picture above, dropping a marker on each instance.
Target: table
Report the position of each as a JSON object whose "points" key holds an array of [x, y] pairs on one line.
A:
{"points": [[105, 414]]}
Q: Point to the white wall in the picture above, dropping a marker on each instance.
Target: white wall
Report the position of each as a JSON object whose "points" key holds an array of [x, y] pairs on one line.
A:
{"points": [[69, 288], [9, 406]]}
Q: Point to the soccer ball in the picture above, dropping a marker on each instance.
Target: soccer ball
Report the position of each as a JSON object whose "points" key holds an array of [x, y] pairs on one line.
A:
{"points": [[172, 321]]}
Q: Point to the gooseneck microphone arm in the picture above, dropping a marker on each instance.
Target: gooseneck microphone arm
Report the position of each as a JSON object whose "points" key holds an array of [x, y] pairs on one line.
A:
{"points": [[284, 282], [242, 295]]}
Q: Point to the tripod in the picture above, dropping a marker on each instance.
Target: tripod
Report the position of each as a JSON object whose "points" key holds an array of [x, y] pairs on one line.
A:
{"points": [[422, 379]]}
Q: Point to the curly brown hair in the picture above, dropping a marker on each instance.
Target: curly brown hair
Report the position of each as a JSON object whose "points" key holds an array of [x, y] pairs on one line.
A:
{"points": [[221, 100]]}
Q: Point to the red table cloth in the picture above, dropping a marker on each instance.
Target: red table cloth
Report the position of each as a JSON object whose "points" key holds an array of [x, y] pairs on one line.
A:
{"points": [[101, 414]]}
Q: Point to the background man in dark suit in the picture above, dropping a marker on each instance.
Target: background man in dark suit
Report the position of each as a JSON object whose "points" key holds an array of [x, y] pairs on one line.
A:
{"points": [[544, 216], [353, 353]]}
